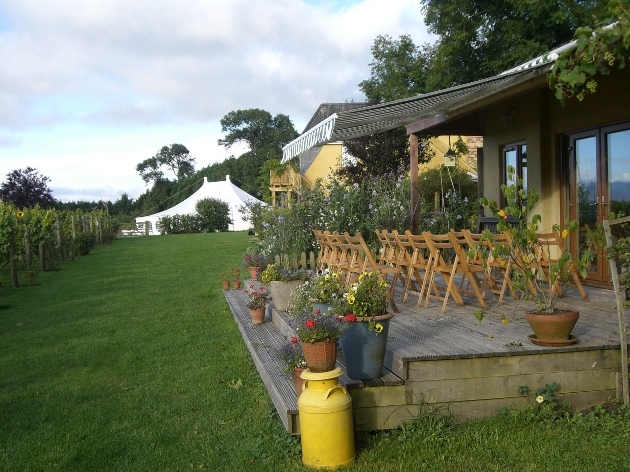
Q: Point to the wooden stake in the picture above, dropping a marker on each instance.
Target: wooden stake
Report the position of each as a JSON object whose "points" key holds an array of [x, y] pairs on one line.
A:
{"points": [[42, 256], [13, 262]]}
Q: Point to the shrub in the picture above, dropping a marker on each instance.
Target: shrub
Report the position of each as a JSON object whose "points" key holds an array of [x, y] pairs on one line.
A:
{"points": [[214, 214], [85, 242]]}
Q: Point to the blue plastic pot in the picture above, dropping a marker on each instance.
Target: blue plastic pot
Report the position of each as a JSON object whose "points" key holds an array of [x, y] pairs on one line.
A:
{"points": [[322, 307], [364, 350]]}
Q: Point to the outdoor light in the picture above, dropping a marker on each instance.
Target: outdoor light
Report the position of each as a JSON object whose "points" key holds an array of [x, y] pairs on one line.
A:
{"points": [[450, 158]]}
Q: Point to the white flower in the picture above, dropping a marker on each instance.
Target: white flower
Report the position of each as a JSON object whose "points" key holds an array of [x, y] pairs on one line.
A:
{"points": [[540, 399]]}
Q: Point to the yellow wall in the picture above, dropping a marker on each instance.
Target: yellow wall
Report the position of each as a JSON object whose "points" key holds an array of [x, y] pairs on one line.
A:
{"points": [[329, 159]]}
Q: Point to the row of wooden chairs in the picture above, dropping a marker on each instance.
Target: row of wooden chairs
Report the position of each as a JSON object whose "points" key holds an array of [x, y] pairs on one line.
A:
{"points": [[428, 265]]}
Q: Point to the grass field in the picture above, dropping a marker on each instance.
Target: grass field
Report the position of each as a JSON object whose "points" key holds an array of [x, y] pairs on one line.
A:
{"points": [[129, 360]]}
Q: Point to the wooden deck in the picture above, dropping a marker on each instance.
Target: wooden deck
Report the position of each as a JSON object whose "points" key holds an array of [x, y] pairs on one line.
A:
{"points": [[451, 358]]}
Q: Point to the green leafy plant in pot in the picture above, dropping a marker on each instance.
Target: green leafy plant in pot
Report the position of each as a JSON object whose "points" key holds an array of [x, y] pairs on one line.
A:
{"points": [[366, 327], [327, 290], [283, 283], [318, 333], [538, 267]]}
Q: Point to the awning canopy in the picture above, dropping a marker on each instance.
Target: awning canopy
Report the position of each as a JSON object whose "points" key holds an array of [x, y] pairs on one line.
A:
{"points": [[433, 108]]}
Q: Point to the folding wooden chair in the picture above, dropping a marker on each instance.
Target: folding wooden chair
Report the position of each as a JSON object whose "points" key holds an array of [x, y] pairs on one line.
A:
{"points": [[390, 255], [417, 263], [448, 271], [497, 274], [361, 260], [325, 250], [548, 244]]}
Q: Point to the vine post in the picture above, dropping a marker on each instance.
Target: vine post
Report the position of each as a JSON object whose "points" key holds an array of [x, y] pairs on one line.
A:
{"points": [[28, 252], [42, 256], [13, 261], [74, 227]]}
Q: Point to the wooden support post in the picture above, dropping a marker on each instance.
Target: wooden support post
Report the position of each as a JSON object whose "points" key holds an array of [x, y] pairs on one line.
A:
{"points": [[91, 224], [13, 262], [100, 231], [413, 177], [146, 228], [28, 256], [42, 256], [74, 227], [60, 239]]}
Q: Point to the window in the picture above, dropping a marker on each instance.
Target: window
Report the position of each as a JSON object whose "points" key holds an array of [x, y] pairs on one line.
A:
{"points": [[515, 155]]}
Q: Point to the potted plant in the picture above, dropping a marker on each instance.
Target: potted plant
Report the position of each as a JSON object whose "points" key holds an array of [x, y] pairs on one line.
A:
{"points": [[283, 283], [226, 281], [293, 364], [537, 270], [327, 289], [258, 298], [255, 263], [318, 334], [236, 278], [364, 338]]}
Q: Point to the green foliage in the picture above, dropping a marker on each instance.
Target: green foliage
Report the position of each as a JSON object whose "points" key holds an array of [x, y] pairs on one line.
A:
{"points": [[175, 157], [26, 188], [368, 297], [214, 214], [85, 242], [327, 288], [275, 273], [598, 50]]}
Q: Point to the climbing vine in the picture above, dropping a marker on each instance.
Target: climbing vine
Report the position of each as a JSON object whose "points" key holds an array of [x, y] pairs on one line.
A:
{"points": [[575, 71]]}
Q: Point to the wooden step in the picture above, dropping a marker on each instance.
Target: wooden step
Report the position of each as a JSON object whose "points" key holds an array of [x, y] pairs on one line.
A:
{"points": [[371, 407]]}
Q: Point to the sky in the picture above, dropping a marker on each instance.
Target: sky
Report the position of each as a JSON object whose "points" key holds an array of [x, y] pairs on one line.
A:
{"points": [[89, 89]]}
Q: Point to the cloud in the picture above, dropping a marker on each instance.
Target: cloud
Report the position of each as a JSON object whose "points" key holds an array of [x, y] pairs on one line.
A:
{"points": [[157, 61]]}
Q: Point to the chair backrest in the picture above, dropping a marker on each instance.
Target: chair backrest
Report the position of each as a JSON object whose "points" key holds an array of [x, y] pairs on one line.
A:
{"points": [[388, 253], [436, 243], [491, 223]]}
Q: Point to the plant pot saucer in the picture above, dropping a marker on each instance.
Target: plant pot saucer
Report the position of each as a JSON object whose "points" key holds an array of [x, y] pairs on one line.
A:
{"points": [[553, 342]]}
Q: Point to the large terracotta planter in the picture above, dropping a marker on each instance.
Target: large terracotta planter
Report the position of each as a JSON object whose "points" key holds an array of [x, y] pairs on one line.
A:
{"points": [[254, 272], [258, 315], [553, 329], [364, 350], [282, 293], [320, 356]]}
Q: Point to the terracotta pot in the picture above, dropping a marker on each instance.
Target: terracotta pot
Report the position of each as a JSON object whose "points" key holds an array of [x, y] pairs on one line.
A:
{"points": [[553, 326], [254, 272], [297, 380], [258, 315], [320, 356], [226, 285], [236, 284]]}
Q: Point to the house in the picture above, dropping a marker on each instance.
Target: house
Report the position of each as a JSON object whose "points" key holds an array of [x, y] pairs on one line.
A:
{"points": [[320, 159], [577, 156]]}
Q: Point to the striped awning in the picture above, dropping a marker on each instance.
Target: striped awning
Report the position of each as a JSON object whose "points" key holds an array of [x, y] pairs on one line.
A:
{"points": [[385, 116]]}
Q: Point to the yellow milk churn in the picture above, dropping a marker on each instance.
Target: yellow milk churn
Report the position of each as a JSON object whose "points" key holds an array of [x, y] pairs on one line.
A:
{"points": [[326, 421]]}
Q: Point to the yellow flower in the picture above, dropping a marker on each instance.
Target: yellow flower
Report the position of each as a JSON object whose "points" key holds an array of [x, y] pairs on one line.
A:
{"points": [[504, 320], [383, 284], [335, 275], [565, 233], [540, 399], [350, 299], [501, 213], [378, 328], [20, 214], [327, 277]]}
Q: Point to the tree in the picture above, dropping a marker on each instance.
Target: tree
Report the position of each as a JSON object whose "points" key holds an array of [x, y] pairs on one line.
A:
{"points": [[481, 38], [265, 135], [175, 157], [26, 188], [214, 214], [399, 70], [575, 72]]}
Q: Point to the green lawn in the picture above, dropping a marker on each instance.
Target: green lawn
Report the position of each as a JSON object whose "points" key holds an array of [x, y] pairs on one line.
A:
{"points": [[129, 360]]}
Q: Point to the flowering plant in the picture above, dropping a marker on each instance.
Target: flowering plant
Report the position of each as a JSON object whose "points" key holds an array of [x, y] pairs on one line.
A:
{"points": [[291, 357], [236, 273], [258, 297], [225, 277], [316, 327], [254, 260], [367, 299], [274, 273], [535, 268], [328, 287]]}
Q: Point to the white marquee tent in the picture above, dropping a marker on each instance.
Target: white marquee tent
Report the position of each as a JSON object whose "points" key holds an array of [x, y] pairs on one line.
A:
{"points": [[223, 190]]}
